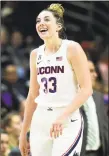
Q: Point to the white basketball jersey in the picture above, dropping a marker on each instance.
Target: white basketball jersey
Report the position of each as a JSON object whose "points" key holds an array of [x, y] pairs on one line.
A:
{"points": [[55, 77]]}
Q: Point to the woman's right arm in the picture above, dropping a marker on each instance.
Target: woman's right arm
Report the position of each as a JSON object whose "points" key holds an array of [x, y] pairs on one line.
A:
{"points": [[30, 105]]}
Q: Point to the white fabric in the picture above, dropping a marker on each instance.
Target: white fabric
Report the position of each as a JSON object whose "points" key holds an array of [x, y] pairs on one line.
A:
{"points": [[41, 144], [93, 137], [65, 86]]}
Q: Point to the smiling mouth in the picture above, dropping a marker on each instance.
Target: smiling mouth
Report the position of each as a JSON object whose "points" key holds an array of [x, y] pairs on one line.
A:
{"points": [[43, 30]]}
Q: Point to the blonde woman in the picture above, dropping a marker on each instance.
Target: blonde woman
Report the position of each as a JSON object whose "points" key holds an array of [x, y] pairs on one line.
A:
{"points": [[54, 98]]}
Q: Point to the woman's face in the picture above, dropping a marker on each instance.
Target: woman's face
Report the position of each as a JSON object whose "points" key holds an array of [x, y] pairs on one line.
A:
{"points": [[46, 25]]}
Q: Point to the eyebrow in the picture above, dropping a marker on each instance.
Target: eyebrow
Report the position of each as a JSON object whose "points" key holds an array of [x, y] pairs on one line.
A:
{"points": [[44, 17]]}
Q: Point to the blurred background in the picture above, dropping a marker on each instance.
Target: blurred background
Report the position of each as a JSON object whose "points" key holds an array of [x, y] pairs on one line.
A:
{"points": [[86, 23]]}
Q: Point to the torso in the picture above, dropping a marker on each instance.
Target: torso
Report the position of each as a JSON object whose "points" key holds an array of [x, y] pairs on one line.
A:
{"points": [[55, 77]]}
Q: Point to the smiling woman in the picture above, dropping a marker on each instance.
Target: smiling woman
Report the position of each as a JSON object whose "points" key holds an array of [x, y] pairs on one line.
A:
{"points": [[57, 11], [54, 98]]}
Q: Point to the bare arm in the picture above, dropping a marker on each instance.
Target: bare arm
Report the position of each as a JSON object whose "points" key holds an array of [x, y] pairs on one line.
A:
{"points": [[30, 105], [78, 61]]}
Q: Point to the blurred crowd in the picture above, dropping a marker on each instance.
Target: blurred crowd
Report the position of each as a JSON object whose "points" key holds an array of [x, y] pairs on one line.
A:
{"points": [[15, 51]]}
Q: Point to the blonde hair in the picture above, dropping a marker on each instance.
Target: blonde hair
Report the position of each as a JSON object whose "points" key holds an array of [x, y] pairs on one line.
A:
{"points": [[58, 8]]}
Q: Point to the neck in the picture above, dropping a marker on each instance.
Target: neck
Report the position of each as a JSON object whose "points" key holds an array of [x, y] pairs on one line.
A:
{"points": [[52, 44]]}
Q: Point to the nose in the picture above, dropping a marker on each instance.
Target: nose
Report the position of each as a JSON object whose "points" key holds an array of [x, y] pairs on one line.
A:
{"points": [[41, 22]]}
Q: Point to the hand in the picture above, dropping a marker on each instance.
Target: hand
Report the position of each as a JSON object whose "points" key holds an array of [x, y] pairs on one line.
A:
{"points": [[57, 128], [23, 144]]}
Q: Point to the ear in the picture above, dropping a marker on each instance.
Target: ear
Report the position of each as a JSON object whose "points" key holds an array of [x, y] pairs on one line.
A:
{"points": [[59, 27]]}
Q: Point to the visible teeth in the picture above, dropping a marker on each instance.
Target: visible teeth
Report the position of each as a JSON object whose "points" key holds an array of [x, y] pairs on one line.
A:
{"points": [[43, 29]]}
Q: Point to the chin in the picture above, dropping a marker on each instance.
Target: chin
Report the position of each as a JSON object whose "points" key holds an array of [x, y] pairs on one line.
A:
{"points": [[44, 37]]}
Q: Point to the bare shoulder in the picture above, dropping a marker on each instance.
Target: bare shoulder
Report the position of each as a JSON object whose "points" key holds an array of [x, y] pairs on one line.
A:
{"points": [[74, 48], [75, 51], [33, 53], [36, 51], [33, 56]]}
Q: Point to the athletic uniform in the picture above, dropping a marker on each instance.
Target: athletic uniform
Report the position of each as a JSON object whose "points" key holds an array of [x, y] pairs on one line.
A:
{"points": [[58, 88]]}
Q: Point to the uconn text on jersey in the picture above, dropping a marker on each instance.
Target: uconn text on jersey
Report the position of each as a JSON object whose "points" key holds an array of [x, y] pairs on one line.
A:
{"points": [[50, 70]]}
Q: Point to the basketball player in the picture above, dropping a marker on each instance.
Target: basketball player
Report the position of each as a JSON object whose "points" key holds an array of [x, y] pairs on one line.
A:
{"points": [[59, 83]]}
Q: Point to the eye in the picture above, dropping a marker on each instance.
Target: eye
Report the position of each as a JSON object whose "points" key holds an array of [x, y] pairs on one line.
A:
{"points": [[37, 20], [47, 19]]}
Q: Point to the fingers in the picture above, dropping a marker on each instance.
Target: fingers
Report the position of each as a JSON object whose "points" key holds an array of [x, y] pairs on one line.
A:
{"points": [[61, 129], [28, 148], [23, 151], [51, 132], [56, 130], [23, 145]]}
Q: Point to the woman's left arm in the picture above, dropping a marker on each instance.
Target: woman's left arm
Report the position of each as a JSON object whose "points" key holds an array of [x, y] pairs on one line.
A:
{"points": [[78, 60]]}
